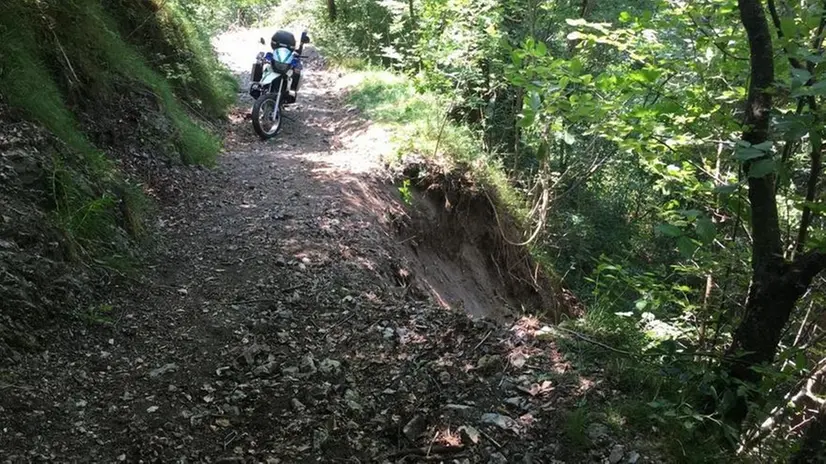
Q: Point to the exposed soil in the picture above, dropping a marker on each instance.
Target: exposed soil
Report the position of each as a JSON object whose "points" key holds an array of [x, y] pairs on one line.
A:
{"points": [[298, 311]]}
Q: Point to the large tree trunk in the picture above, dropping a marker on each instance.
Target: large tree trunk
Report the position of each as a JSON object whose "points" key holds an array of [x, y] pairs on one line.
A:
{"points": [[776, 283]]}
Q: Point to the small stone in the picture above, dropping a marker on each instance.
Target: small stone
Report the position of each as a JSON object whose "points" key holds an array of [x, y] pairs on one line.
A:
{"points": [[233, 410], [616, 454], [292, 370], [388, 333], [320, 436], [633, 457], [122, 457], [597, 431], [414, 428], [155, 373], [489, 363], [497, 458], [222, 422], [264, 369], [503, 422], [182, 291], [297, 405], [444, 377], [518, 360], [151, 409], [307, 364], [329, 366], [469, 434]]}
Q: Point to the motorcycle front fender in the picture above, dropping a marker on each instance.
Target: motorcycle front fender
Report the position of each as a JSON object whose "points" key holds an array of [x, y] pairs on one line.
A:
{"points": [[269, 76]]}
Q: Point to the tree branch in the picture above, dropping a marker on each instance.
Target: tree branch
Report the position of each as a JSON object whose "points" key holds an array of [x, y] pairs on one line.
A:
{"points": [[715, 42], [805, 267]]}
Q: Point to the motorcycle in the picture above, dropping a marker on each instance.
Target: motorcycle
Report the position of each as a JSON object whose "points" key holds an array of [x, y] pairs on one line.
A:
{"points": [[275, 79]]}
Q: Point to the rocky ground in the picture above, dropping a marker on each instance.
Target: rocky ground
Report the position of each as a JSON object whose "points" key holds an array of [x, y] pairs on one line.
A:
{"points": [[275, 324]]}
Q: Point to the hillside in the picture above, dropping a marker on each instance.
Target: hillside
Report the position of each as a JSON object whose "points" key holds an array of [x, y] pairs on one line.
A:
{"points": [[125, 95]]}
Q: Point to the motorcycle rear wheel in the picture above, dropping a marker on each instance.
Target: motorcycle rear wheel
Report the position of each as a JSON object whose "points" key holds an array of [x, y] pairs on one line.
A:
{"points": [[266, 115]]}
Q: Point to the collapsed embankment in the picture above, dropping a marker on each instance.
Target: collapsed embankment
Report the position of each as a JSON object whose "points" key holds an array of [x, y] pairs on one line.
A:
{"points": [[461, 248]]}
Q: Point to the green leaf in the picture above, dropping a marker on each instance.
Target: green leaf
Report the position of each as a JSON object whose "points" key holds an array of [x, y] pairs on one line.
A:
{"points": [[528, 117], [706, 230], [535, 101], [747, 152], [669, 230], [690, 213], [576, 35], [686, 246], [726, 189], [801, 75], [788, 26], [794, 127], [800, 360], [762, 168], [819, 88]]}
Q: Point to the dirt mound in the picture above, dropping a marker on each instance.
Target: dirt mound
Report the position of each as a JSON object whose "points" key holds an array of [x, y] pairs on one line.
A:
{"points": [[458, 254]]}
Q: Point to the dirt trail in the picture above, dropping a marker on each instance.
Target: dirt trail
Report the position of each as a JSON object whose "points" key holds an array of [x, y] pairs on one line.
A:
{"points": [[272, 326]]}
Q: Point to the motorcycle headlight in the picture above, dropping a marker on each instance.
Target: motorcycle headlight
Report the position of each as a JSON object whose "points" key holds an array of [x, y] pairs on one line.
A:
{"points": [[280, 67]]}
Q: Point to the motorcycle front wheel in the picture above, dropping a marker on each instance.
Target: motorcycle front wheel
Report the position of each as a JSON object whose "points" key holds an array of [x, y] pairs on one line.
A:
{"points": [[266, 115]]}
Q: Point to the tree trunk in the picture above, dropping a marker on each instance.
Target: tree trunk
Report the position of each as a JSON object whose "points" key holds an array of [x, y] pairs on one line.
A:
{"points": [[332, 14], [813, 448], [776, 283]]}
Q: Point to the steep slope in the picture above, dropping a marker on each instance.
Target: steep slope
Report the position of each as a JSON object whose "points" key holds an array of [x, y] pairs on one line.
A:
{"points": [[95, 117]]}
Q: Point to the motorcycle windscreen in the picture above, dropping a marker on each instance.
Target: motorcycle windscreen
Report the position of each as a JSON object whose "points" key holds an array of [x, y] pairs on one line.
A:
{"points": [[282, 55]]}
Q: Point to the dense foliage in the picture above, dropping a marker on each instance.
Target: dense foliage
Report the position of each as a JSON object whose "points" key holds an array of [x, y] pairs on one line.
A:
{"points": [[680, 146]]}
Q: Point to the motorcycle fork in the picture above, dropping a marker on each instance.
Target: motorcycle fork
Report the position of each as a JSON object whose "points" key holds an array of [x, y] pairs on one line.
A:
{"points": [[277, 100]]}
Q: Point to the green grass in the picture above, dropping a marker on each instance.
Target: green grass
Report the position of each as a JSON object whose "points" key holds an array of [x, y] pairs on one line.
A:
{"points": [[575, 429], [418, 121]]}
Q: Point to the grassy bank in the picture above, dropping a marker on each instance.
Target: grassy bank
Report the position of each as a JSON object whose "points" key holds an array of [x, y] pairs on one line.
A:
{"points": [[98, 100], [421, 127], [86, 65]]}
